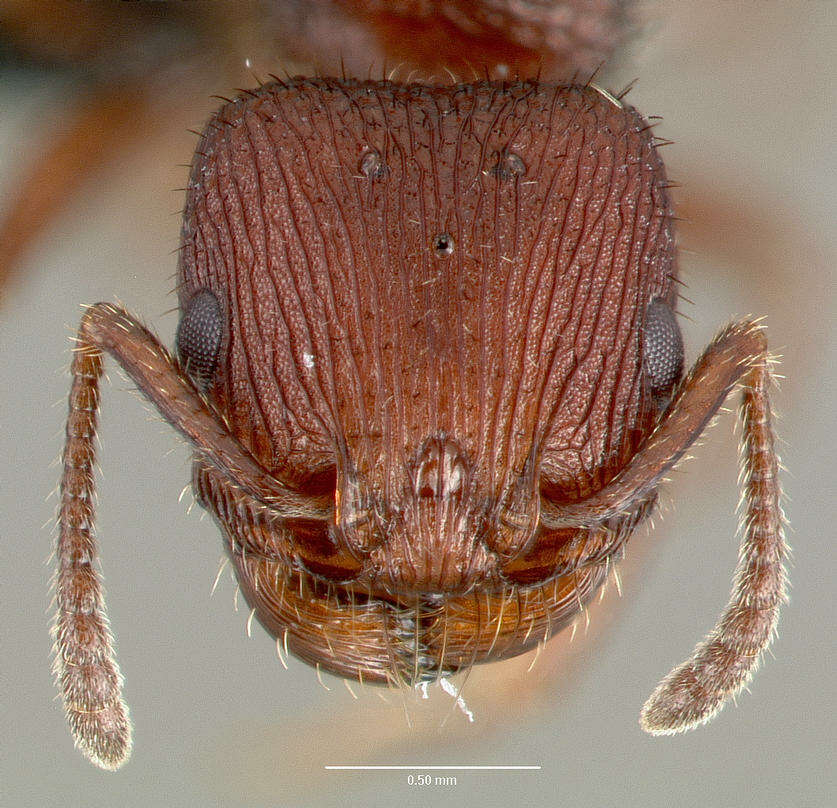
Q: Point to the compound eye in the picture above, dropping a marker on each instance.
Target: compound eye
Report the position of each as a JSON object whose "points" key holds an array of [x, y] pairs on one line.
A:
{"points": [[199, 337], [662, 348]]}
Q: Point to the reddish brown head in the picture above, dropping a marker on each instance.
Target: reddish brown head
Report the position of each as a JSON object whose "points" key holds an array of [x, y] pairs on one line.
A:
{"points": [[432, 300], [430, 366]]}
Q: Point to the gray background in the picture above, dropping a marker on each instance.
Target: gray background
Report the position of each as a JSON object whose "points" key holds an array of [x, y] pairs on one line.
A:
{"points": [[747, 91]]}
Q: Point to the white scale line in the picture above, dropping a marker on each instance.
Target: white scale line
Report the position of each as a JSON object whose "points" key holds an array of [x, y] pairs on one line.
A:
{"points": [[424, 768]]}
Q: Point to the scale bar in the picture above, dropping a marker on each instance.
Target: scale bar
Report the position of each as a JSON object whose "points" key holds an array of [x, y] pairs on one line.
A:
{"points": [[425, 768]]}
